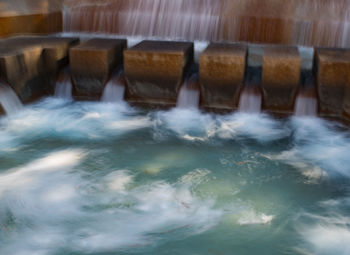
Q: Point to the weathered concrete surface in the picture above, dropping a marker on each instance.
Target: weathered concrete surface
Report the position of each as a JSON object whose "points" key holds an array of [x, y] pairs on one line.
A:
{"points": [[332, 67], [280, 78], [30, 17], [222, 69], [92, 63], [154, 70], [21, 7], [29, 64], [42, 23], [346, 104]]}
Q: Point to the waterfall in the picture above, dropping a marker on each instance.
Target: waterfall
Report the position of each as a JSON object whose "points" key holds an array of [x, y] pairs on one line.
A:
{"points": [[64, 85], [299, 22], [306, 104], [114, 90], [182, 19], [9, 100], [250, 100], [189, 93]]}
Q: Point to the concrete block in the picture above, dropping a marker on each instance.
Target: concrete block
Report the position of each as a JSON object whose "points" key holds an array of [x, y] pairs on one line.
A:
{"points": [[154, 70], [222, 69], [280, 77], [92, 63], [332, 68], [29, 64]]}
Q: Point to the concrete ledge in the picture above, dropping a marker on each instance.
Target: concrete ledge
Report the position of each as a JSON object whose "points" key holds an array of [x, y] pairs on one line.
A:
{"points": [[280, 78], [92, 63], [29, 64], [222, 68], [154, 70], [331, 67], [31, 24]]}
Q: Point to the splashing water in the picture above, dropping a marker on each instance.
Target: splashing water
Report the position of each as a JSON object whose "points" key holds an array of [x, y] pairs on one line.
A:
{"points": [[112, 179], [9, 100]]}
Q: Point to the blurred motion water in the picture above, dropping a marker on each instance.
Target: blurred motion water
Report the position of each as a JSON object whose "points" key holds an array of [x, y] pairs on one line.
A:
{"points": [[64, 85], [98, 178], [9, 100], [115, 89]]}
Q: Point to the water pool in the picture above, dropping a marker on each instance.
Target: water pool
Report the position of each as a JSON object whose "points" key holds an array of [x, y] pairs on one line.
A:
{"points": [[97, 178]]}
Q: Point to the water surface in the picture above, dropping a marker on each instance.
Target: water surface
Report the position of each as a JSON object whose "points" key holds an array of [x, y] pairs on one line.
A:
{"points": [[100, 178]]}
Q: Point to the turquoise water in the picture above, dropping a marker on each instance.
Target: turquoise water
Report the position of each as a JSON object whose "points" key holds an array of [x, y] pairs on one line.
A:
{"points": [[96, 178]]}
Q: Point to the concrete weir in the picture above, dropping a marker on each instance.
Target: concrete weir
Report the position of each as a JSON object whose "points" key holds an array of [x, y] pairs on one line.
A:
{"points": [[154, 70], [281, 69], [29, 64], [222, 69], [92, 63]]}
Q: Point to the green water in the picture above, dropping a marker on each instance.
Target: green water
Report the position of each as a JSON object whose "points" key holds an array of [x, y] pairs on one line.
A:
{"points": [[94, 178]]}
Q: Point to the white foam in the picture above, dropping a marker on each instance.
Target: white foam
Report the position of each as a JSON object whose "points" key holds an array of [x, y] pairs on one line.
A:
{"points": [[118, 180], [23, 177], [121, 216], [133, 124], [257, 126], [328, 239], [321, 143], [313, 172], [251, 218], [189, 124]]}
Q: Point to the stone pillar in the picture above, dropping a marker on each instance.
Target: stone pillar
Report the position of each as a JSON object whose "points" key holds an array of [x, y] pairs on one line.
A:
{"points": [[280, 78], [154, 70], [222, 69], [91, 65], [331, 67]]}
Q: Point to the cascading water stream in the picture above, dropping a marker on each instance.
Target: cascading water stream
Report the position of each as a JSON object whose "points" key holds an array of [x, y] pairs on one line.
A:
{"points": [[64, 85], [302, 22], [194, 19], [115, 89], [250, 100], [189, 93], [306, 103], [9, 100]]}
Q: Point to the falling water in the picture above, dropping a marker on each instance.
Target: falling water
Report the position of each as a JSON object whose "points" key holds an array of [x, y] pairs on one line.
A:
{"points": [[250, 100], [114, 90], [184, 19], [64, 85], [9, 100], [306, 103], [189, 93], [300, 22]]}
